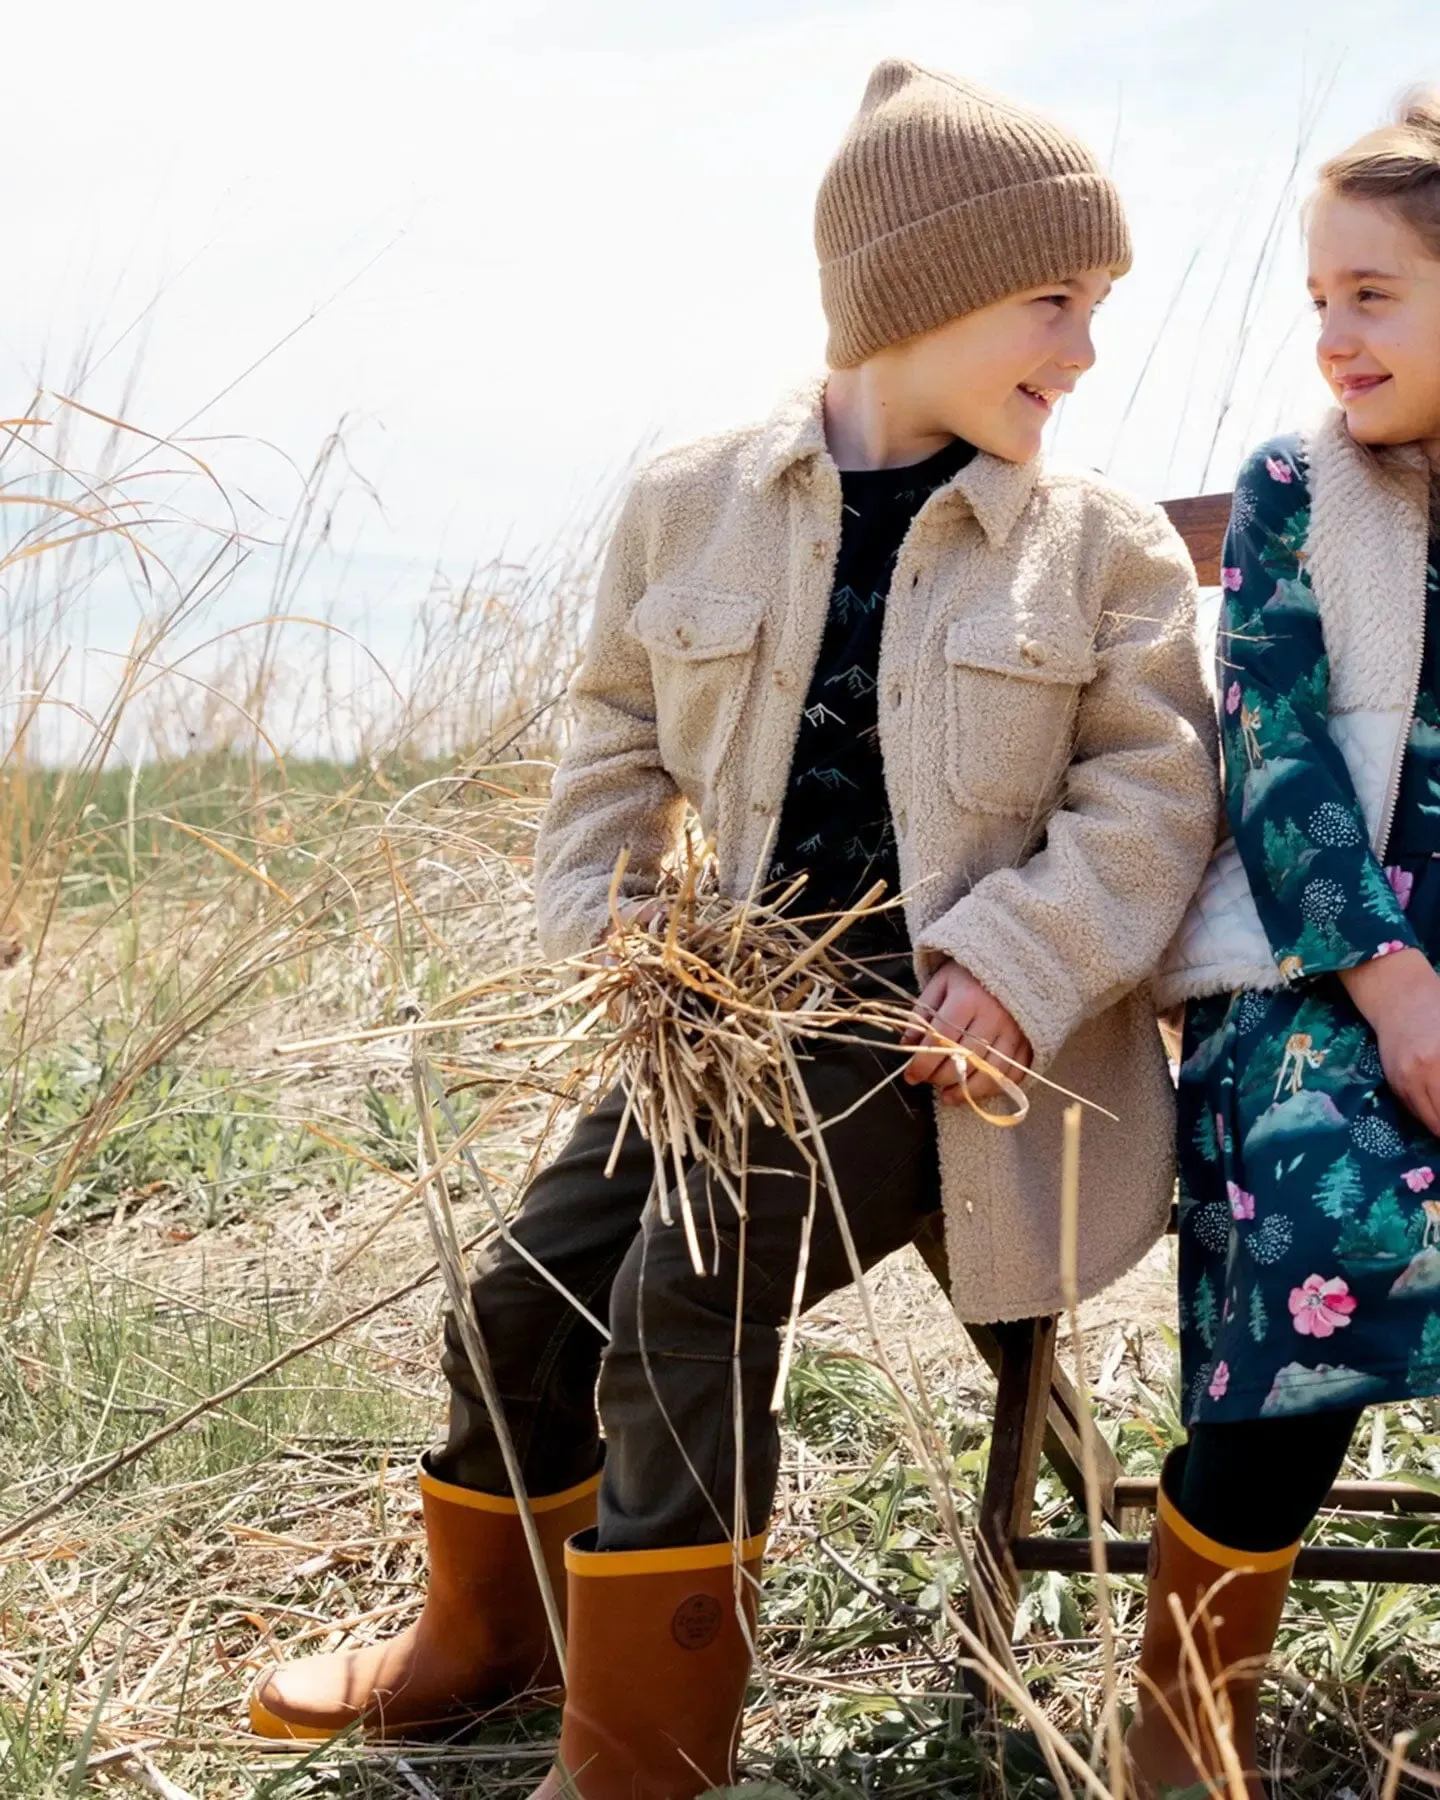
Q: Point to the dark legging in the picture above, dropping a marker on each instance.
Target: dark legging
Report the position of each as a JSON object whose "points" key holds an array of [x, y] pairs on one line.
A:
{"points": [[1255, 1484]]}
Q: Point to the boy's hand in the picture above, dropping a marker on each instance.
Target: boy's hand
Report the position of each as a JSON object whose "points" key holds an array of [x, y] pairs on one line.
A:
{"points": [[1400, 996], [641, 912], [955, 1004], [630, 912], [633, 912]]}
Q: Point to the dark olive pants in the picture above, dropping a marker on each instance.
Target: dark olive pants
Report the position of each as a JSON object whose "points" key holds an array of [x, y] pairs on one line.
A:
{"points": [[692, 1359]]}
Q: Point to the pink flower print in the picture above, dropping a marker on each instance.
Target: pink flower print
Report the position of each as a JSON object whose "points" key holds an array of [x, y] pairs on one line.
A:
{"points": [[1278, 470], [1390, 948], [1242, 1205], [1220, 1132], [1220, 1381], [1403, 883], [1319, 1307], [1230, 580], [1417, 1180], [1232, 698]]}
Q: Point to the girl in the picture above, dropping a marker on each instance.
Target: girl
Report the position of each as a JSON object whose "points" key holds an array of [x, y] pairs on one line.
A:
{"points": [[1310, 1079]]}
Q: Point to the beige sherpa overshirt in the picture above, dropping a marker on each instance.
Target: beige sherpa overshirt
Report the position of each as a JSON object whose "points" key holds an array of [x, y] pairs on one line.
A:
{"points": [[1048, 754]]}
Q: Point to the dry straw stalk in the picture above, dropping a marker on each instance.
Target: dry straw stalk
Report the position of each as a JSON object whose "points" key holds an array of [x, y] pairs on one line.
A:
{"points": [[697, 1004]]}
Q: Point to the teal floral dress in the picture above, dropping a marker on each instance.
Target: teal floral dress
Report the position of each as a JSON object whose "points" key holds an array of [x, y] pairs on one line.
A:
{"points": [[1309, 1199]]}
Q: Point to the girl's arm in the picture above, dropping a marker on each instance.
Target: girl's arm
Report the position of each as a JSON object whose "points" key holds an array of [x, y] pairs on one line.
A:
{"points": [[1322, 896], [1400, 996], [611, 792]]}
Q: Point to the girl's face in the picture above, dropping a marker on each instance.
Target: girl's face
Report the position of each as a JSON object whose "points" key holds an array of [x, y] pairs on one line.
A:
{"points": [[1377, 291], [994, 377]]}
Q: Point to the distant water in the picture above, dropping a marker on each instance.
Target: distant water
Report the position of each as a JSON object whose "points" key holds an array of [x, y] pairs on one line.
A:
{"points": [[351, 631]]}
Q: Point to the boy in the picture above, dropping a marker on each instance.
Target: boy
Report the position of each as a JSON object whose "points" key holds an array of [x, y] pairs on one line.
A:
{"points": [[873, 636]]}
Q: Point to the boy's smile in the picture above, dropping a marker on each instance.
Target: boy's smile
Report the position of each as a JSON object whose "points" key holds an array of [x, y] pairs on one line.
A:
{"points": [[1044, 398]]}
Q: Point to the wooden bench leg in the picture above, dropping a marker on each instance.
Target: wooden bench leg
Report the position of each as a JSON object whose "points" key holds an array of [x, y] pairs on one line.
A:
{"points": [[1037, 1410], [1062, 1423], [1007, 1501], [1063, 1448]]}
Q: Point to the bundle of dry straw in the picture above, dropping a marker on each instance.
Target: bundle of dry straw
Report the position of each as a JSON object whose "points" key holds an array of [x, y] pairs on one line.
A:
{"points": [[700, 1007]]}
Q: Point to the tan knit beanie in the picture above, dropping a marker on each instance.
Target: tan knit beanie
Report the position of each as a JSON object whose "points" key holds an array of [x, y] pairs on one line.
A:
{"points": [[944, 197]]}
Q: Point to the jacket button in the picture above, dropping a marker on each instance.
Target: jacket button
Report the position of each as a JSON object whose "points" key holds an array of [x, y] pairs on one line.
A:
{"points": [[817, 548], [1032, 651], [683, 637], [902, 819], [896, 694], [781, 678]]}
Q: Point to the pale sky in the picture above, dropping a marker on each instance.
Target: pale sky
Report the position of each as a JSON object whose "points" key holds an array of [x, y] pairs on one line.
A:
{"points": [[561, 230]]}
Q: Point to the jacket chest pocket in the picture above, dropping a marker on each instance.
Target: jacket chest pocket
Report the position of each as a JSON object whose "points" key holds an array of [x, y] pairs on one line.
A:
{"points": [[1010, 706], [701, 645]]}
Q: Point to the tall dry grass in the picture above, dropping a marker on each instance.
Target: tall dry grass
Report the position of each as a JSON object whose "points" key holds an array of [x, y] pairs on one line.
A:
{"points": [[181, 887], [168, 865]]}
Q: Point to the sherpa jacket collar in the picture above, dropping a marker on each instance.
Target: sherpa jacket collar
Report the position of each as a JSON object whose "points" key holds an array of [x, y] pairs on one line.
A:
{"points": [[996, 491]]}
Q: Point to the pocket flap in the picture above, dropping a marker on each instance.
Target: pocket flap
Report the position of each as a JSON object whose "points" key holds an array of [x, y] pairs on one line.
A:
{"points": [[694, 624], [1003, 648]]}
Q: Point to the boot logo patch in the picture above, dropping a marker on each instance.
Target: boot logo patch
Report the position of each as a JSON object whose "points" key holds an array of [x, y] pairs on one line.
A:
{"points": [[696, 1623]]}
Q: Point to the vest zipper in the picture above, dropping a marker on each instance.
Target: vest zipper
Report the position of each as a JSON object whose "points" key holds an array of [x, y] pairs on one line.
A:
{"points": [[1392, 796]]}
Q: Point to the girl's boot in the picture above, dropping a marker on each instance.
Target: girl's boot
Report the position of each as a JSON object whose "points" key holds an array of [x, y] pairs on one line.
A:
{"points": [[658, 1655], [481, 1641], [1232, 1601]]}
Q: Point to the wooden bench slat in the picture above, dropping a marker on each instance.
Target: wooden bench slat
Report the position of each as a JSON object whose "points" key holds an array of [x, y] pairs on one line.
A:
{"points": [[1346, 1496], [1316, 1562], [1202, 520]]}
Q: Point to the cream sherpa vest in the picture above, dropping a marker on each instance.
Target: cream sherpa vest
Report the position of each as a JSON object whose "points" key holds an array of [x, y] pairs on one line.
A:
{"points": [[1366, 553]]}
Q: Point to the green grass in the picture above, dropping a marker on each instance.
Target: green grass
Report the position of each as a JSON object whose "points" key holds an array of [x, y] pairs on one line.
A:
{"points": [[117, 829], [188, 1132], [210, 1224]]}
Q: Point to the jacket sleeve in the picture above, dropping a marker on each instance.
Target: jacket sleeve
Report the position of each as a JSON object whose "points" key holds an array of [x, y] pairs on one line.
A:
{"points": [[1084, 921], [1301, 833], [611, 791]]}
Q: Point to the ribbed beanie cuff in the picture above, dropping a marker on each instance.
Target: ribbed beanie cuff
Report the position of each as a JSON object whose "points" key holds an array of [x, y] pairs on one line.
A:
{"points": [[944, 198]]}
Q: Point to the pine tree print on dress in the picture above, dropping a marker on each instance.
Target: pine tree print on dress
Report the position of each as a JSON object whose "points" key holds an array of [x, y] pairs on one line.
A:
{"points": [[1310, 1243]]}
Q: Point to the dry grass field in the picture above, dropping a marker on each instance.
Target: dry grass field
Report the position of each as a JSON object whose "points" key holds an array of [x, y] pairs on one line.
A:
{"points": [[220, 1303]]}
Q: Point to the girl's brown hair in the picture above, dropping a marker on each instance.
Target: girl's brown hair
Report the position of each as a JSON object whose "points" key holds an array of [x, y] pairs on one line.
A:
{"points": [[1399, 166]]}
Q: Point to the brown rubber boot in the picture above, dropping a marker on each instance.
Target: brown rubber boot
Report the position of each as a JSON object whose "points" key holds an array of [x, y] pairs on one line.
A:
{"points": [[481, 1640], [658, 1658], [1232, 1601]]}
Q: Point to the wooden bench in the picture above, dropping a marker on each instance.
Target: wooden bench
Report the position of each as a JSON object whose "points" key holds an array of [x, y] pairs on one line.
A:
{"points": [[1037, 1411]]}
